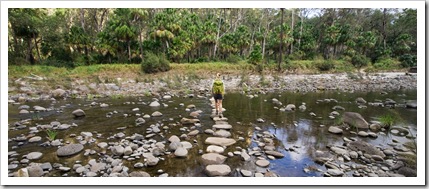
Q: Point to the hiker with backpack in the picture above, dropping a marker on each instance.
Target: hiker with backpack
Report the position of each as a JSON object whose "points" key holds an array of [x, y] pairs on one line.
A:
{"points": [[218, 90]]}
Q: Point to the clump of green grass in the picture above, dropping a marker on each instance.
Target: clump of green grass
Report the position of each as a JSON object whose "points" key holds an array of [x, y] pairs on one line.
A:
{"points": [[147, 93], [116, 96], [387, 120], [36, 116], [51, 134], [74, 96], [264, 82], [339, 121]]}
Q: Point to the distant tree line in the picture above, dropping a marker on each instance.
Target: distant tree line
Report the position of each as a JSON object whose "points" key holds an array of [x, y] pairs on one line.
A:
{"points": [[74, 37]]}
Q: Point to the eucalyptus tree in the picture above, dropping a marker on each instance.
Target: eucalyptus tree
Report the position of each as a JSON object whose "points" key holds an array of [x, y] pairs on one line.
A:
{"points": [[25, 29]]}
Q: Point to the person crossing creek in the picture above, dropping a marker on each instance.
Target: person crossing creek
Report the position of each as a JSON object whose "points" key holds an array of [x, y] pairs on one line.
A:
{"points": [[218, 91]]}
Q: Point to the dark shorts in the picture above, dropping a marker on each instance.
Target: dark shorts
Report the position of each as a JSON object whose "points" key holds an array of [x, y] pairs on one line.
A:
{"points": [[217, 97]]}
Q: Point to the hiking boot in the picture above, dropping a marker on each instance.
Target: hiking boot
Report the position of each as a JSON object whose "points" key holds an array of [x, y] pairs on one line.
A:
{"points": [[221, 115]]}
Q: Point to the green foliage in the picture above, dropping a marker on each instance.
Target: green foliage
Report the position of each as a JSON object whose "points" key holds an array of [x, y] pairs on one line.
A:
{"points": [[339, 120], [153, 64], [74, 37], [51, 134], [387, 120], [255, 56], [360, 60], [408, 60], [325, 65], [386, 63], [116, 96], [260, 68], [232, 58], [36, 116], [147, 93]]}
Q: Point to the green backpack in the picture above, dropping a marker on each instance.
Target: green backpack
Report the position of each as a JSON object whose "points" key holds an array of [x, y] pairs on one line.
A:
{"points": [[218, 86]]}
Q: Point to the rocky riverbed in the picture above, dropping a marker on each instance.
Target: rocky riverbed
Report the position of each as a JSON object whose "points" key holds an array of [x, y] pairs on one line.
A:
{"points": [[36, 88], [148, 140]]}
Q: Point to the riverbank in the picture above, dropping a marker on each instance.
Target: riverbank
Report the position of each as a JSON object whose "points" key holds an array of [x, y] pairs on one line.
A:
{"points": [[42, 82]]}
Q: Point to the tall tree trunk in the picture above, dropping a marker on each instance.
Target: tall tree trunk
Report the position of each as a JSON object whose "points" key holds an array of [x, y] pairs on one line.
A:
{"points": [[217, 37], [37, 48], [251, 42], [141, 44], [384, 27], [292, 26], [129, 50], [281, 41], [82, 18], [300, 31], [29, 57]]}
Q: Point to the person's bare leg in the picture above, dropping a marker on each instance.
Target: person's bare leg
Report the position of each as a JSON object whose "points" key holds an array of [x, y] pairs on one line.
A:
{"points": [[220, 107], [217, 106]]}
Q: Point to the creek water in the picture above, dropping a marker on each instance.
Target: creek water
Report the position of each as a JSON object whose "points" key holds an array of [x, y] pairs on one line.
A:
{"points": [[296, 129]]}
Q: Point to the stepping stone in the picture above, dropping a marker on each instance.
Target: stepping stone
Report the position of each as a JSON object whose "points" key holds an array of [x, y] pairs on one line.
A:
{"points": [[262, 163], [181, 152], [246, 173], [193, 133], [223, 126], [220, 141], [222, 133], [69, 150], [220, 119], [275, 154], [218, 170], [212, 158], [215, 149]]}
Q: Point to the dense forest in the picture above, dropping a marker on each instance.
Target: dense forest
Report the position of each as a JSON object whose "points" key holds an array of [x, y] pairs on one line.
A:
{"points": [[76, 37]]}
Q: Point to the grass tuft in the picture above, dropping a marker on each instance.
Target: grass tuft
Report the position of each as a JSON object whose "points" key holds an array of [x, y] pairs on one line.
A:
{"points": [[51, 134], [387, 120]]}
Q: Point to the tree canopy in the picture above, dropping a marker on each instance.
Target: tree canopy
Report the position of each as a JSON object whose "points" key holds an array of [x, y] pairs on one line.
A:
{"points": [[73, 37]]}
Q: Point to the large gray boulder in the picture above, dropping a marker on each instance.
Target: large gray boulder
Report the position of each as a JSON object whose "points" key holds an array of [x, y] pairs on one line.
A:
{"points": [[218, 170], [355, 119], [222, 126], [220, 141], [290, 107], [222, 133], [412, 104], [78, 113], [212, 158], [69, 150], [365, 148], [154, 104], [181, 152], [174, 138], [118, 150], [35, 171], [335, 130], [335, 172], [139, 174], [360, 100], [58, 93], [262, 163], [215, 149], [275, 154], [186, 121], [152, 160], [156, 114], [34, 155]]}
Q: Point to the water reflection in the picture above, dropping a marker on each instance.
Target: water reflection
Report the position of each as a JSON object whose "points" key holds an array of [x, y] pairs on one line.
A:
{"points": [[299, 134]]}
